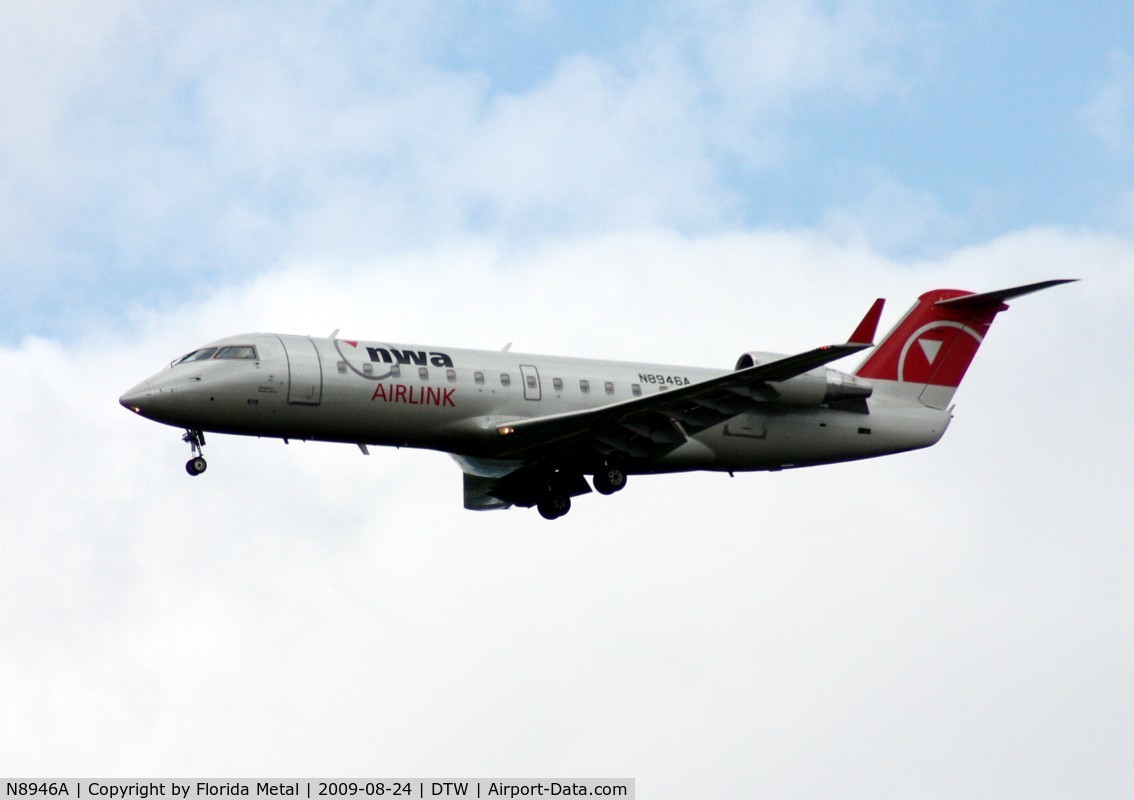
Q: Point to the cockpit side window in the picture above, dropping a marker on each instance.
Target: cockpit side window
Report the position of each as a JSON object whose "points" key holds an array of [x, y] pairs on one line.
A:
{"points": [[197, 355], [237, 351]]}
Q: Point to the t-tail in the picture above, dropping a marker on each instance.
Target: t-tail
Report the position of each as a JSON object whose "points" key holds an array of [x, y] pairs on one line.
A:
{"points": [[925, 356]]}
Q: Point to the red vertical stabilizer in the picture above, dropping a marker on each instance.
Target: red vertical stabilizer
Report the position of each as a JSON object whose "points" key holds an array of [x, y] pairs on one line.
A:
{"points": [[930, 349]]}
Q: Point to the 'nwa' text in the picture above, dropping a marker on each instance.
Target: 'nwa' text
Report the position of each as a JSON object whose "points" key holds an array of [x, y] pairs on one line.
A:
{"points": [[418, 357]]}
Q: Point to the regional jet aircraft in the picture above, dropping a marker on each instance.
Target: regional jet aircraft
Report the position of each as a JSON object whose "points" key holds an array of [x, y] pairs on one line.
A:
{"points": [[527, 430]]}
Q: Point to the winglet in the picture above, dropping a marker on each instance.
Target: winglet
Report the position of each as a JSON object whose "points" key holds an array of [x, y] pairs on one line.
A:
{"points": [[864, 333]]}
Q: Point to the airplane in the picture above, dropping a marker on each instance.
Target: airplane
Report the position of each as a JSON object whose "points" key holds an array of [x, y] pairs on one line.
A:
{"points": [[528, 430]]}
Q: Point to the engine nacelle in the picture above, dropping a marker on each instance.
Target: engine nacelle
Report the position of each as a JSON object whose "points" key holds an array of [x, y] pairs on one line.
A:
{"points": [[816, 387]]}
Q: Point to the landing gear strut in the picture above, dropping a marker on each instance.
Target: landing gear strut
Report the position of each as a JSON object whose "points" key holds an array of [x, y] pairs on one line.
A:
{"points": [[196, 441]]}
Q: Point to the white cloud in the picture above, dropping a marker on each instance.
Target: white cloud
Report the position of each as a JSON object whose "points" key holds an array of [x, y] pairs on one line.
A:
{"points": [[893, 217], [190, 144], [950, 619], [772, 51], [1110, 113], [1121, 212], [593, 149], [47, 51]]}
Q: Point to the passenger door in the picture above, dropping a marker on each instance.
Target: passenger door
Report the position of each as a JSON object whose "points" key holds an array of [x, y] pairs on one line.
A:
{"points": [[304, 370], [530, 376]]}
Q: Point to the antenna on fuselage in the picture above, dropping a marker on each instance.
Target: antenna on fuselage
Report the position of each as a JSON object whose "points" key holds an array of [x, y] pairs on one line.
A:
{"points": [[506, 348]]}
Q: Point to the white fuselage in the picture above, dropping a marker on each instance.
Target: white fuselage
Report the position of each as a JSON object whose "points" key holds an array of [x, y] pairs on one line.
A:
{"points": [[451, 399], [528, 430]]}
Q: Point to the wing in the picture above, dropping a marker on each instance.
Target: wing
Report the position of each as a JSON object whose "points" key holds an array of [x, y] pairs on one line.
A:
{"points": [[639, 428], [665, 417]]}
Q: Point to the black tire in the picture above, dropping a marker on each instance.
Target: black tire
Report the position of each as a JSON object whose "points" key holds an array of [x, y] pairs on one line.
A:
{"points": [[609, 480], [195, 466], [554, 506]]}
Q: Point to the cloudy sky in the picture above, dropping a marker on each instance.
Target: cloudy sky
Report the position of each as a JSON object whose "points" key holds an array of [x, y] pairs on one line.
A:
{"points": [[659, 181]]}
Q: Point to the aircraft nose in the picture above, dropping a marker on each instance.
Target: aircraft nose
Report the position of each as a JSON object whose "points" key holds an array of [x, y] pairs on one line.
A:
{"points": [[138, 398]]}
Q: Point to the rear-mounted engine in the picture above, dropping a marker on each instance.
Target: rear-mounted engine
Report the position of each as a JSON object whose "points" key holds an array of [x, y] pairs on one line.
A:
{"points": [[817, 387]]}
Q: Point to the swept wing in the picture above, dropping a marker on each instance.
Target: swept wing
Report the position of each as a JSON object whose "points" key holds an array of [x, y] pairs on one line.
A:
{"points": [[640, 427]]}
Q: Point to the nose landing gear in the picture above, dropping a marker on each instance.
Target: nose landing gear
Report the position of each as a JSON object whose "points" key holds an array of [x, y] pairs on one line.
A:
{"points": [[196, 441]]}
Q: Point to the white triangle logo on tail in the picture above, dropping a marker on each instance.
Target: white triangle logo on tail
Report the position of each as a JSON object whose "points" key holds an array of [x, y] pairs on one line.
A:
{"points": [[931, 347]]}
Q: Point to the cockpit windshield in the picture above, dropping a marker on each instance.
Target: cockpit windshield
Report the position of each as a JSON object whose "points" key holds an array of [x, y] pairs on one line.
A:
{"points": [[242, 351], [237, 351], [203, 354]]}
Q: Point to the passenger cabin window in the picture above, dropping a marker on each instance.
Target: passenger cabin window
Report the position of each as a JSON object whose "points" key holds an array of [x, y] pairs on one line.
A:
{"points": [[395, 370], [367, 368], [557, 383], [584, 386], [478, 377], [531, 381], [423, 373], [245, 351], [451, 375], [636, 389], [342, 367], [609, 387], [505, 379]]}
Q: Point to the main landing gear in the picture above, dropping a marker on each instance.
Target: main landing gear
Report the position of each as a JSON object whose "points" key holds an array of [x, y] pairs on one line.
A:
{"points": [[196, 440], [553, 505], [556, 498], [609, 480]]}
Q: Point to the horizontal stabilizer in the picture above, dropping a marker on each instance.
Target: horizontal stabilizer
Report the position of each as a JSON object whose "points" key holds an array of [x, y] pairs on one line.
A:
{"points": [[987, 299]]}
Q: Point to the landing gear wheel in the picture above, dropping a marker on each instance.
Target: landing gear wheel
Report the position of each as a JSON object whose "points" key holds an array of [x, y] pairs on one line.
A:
{"points": [[609, 480], [554, 506], [196, 441]]}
